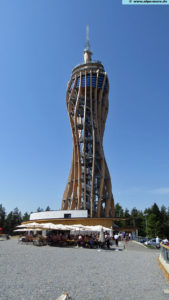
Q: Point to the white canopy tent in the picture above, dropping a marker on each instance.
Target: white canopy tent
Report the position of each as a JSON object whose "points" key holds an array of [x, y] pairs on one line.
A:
{"points": [[51, 226], [27, 229], [29, 225], [20, 230]]}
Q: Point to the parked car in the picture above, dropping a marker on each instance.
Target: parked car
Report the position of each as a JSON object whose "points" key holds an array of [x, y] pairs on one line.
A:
{"points": [[152, 242], [143, 240]]}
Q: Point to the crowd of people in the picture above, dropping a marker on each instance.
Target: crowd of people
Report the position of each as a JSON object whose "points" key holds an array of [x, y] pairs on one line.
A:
{"points": [[89, 240]]}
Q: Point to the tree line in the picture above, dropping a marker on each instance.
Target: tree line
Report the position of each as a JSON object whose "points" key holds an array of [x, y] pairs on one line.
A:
{"points": [[8, 222], [151, 222]]}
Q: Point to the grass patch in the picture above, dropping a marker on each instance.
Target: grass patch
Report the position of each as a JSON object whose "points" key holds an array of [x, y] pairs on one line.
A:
{"points": [[150, 247]]}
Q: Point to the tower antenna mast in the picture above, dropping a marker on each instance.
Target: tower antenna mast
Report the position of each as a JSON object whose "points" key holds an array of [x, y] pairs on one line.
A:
{"points": [[87, 51], [87, 38]]}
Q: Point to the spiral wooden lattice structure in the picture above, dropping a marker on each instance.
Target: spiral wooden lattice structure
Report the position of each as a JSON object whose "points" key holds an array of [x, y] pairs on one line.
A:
{"points": [[89, 183]]}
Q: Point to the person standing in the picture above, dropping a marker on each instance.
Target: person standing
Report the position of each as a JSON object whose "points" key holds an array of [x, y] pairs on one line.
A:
{"points": [[157, 240], [116, 237]]}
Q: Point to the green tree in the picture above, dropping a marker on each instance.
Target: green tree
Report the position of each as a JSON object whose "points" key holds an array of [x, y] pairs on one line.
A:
{"points": [[39, 209], [127, 222], [13, 219], [164, 222], [25, 217], [134, 215], [156, 211], [2, 216], [137, 220], [153, 225], [154, 221], [47, 208], [119, 213], [140, 223]]}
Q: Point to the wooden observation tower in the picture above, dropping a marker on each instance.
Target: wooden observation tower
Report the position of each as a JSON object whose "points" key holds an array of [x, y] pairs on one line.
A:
{"points": [[89, 183]]}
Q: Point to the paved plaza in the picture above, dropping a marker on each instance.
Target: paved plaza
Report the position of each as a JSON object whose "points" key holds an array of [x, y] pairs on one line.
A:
{"points": [[29, 272]]}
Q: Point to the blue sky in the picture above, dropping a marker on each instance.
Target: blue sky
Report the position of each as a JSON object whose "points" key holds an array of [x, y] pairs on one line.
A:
{"points": [[41, 42]]}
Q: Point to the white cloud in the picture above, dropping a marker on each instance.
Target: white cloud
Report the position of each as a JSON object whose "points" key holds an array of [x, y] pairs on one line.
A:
{"points": [[162, 191], [143, 190]]}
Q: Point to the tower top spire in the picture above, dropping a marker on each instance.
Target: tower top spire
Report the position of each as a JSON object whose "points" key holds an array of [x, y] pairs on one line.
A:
{"points": [[87, 51], [87, 38]]}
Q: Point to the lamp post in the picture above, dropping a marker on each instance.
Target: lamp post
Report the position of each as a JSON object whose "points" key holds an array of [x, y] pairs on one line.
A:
{"points": [[146, 215]]}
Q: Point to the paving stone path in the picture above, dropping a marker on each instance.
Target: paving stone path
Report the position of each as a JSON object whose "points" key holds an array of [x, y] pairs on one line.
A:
{"points": [[28, 272]]}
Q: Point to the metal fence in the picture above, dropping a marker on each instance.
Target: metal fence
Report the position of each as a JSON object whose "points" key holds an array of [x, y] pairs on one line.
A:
{"points": [[141, 239], [164, 252]]}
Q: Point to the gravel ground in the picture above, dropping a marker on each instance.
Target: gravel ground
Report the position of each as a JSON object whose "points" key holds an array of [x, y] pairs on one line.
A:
{"points": [[28, 272]]}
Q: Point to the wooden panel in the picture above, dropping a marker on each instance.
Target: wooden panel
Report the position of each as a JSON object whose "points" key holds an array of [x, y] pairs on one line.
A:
{"points": [[107, 222]]}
